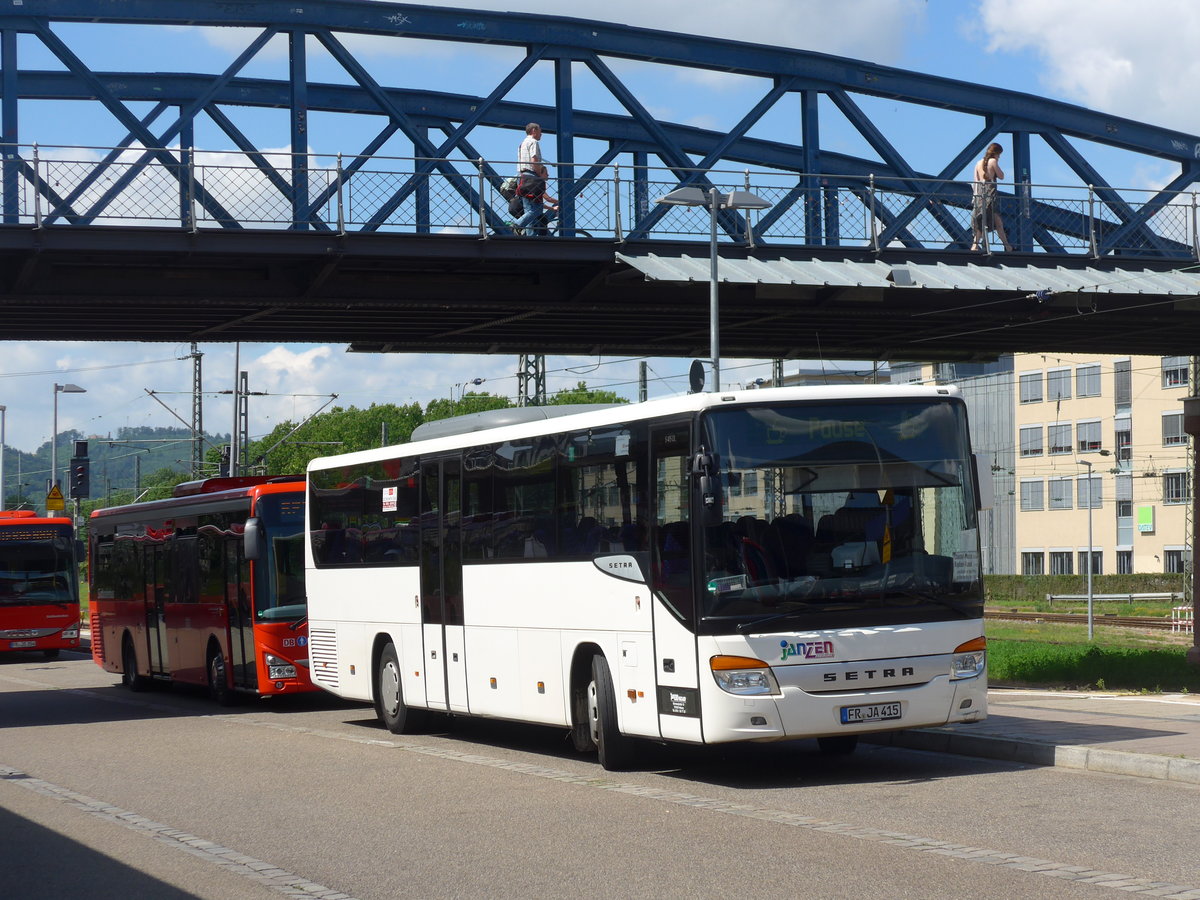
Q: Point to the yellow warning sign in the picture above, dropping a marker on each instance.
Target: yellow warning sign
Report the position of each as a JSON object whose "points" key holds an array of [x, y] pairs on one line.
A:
{"points": [[54, 500]]}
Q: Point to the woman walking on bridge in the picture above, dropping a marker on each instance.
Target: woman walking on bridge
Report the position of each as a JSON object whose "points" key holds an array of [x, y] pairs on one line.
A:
{"points": [[984, 216]]}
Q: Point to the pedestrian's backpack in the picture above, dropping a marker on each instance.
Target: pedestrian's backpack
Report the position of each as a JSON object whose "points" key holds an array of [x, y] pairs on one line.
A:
{"points": [[508, 190]]}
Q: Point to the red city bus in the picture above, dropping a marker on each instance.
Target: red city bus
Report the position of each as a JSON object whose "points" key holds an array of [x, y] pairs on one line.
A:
{"points": [[205, 588], [39, 583]]}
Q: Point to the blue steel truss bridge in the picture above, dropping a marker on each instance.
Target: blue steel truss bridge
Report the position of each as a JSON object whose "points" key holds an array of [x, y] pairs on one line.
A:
{"points": [[383, 222]]}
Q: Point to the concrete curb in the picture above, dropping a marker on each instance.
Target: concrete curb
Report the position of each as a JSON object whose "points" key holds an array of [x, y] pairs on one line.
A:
{"points": [[1035, 753]]}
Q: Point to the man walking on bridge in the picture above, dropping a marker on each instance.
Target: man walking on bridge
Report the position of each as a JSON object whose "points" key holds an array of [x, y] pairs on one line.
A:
{"points": [[531, 182]]}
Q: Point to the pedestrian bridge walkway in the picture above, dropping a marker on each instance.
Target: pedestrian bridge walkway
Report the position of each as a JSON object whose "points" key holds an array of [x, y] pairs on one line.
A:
{"points": [[609, 202]]}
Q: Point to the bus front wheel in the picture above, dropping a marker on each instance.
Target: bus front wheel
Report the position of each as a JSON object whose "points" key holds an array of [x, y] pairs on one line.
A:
{"points": [[616, 750], [396, 716], [218, 679], [129, 673]]}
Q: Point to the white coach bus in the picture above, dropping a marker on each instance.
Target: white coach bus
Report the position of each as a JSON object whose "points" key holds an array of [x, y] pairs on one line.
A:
{"points": [[736, 566]]}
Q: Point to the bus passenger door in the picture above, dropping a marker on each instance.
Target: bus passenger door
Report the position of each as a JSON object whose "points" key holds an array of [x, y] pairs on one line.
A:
{"points": [[673, 568], [155, 573], [441, 584], [240, 615]]}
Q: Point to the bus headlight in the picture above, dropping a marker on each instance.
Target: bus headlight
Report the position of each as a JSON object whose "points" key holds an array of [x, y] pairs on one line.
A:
{"points": [[71, 633], [743, 675], [969, 659], [279, 668]]}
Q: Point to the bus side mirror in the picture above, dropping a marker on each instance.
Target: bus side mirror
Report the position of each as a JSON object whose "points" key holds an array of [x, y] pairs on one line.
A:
{"points": [[710, 499], [253, 539], [985, 483]]}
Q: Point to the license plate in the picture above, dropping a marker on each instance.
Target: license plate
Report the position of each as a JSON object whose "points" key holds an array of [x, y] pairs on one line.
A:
{"points": [[871, 712], [21, 645]]}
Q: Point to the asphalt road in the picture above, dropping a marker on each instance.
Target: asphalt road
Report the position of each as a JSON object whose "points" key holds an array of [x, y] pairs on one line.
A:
{"points": [[105, 793]]}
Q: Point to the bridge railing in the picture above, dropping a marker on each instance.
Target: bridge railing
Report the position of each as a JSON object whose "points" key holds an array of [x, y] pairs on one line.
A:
{"points": [[47, 186]]}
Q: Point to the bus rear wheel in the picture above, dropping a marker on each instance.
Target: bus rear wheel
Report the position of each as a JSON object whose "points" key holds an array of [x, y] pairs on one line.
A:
{"points": [[129, 673], [218, 679], [396, 715], [616, 750]]}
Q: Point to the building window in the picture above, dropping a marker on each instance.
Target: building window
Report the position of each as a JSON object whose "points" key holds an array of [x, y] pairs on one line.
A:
{"points": [[1123, 383], [1031, 388], [1060, 493], [1091, 491], [1058, 385], [1033, 563], [1175, 488], [1088, 434], [1124, 562], [1172, 428], [1172, 560], [1032, 495], [1124, 496], [1124, 437], [1097, 562], [1174, 371], [1087, 381], [1061, 562], [1060, 439], [1031, 440]]}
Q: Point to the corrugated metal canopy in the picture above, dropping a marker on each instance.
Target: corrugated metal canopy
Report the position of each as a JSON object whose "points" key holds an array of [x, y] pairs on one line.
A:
{"points": [[967, 276]]}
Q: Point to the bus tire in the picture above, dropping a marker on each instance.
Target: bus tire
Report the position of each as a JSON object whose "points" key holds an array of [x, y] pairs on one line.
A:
{"points": [[396, 715], [52, 653], [581, 719], [838, 745], [218, 679], [616, 750], [130, 677]]}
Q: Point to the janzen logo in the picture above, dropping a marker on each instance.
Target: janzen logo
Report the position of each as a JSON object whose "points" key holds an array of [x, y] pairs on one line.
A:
{"points": [[807, 650]]}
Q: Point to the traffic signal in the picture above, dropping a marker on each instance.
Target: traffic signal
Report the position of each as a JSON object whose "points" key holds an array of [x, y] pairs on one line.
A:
{"points": [[80, 483]]}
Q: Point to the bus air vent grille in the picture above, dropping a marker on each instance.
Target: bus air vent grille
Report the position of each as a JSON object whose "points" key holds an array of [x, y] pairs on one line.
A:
{"points": [[323, 656]]}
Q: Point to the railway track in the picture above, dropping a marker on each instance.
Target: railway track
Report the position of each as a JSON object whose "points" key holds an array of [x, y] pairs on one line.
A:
{"points": [[1153, 622]]}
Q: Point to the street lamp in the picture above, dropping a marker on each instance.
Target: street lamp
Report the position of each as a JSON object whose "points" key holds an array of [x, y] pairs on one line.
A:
{"points": [[714, 200], [59, 389], [1090, 566]]}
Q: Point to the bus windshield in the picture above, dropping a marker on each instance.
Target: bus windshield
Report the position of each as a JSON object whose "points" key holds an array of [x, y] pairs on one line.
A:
{"points": [[854, 514], [37, 566], [279, 583]]}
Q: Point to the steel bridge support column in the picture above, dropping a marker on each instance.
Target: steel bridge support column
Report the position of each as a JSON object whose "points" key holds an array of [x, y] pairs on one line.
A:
{"points": [[298, 60], [641, 186], [187, 149], [1018, 227], [421, 195], [811, 136], [9, 129], [564, 130]]}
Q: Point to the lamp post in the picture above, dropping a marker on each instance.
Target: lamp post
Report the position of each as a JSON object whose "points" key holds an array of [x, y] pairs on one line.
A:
{"points": [[714, 200], [1090, 566], [59, 389]]}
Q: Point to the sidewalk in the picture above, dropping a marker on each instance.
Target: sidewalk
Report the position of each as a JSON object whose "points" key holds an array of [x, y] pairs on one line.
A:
{"points": [[1150, 736]]}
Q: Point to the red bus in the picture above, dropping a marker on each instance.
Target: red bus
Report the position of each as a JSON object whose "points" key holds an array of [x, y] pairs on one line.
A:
{"points": [[39, 583], [206, 588]]}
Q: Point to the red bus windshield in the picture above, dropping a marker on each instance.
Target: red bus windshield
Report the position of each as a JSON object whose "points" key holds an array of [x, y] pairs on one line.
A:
{"points": [[37, 565]]}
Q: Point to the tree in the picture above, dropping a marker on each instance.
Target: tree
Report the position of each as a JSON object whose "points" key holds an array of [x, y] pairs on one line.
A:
{"points": [[470, 402], [581, 393]]}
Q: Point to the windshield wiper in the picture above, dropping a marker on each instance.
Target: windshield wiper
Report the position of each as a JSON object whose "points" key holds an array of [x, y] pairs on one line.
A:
{"points": [[931, 598], [746, 627]]}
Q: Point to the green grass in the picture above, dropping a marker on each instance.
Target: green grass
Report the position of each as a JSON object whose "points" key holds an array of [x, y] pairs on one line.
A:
{"points": [[1060, 656]]}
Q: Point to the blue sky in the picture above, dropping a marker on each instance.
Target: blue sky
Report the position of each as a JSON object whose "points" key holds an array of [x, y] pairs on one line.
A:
{"points": [[1132, 60]]}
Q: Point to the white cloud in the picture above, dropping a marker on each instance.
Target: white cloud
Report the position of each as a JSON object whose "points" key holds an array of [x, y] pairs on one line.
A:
{"points": [[1136, 60], [864, 29]]}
